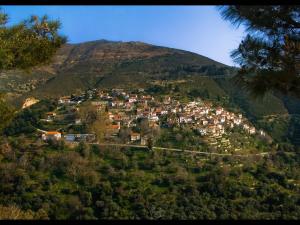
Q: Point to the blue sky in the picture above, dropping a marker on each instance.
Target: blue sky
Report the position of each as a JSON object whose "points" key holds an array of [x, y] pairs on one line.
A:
{"points": [[198, 29]]}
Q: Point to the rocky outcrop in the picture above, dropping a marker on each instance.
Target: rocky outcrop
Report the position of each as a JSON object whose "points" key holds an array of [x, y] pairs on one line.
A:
{"points": [[29, 101]]}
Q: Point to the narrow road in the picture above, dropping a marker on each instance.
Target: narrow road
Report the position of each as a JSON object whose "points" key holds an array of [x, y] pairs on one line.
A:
{"points": [[43, 131], [121, 145], [210, 153], [182, 150]]}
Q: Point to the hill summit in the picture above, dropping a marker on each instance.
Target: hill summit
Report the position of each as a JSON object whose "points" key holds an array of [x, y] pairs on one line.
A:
{"points": [[114, 63]]}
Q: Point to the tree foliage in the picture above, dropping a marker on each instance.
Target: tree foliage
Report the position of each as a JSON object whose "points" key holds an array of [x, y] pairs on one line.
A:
{"points": [[6, 114], [270, 52], [30, 43], [42, 182], [95, 121], [25, 45], [14, 213], [27, 120]]}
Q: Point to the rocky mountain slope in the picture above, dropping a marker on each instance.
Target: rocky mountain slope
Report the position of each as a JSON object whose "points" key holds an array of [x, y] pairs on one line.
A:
{"points": [[106, 63], [103, 63]]}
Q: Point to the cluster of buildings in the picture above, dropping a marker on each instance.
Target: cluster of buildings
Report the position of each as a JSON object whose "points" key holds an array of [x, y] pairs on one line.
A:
{"points": [[55, 135], [125, 109], [198, 114]]}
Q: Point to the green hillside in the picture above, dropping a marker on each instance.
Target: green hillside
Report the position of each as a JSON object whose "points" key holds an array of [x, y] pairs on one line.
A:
{"points": [[254, 108], [104, 64], [108, 64]]}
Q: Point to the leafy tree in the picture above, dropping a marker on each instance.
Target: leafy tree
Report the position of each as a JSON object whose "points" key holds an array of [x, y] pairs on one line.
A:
{"points": [[25, 45], [27, 120], [14, 213], [125, 134], [144, 126], [88, 113], [176, 89], [96, 122], [150, 143], [30, 43], [6, 114], [83, 149], [269, 55]]}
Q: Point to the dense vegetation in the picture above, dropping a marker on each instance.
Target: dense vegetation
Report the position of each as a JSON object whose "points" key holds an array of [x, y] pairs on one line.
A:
{"points": [[55, 180], [88, 182], [6, 113], [269, 54], [28, 120], [29, 43]]}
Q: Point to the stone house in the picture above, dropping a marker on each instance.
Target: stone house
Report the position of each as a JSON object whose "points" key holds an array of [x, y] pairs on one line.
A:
{"points": [[51, 135]]}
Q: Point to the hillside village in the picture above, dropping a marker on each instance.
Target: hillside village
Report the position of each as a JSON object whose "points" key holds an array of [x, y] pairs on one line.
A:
{"points": [[124, 109]]}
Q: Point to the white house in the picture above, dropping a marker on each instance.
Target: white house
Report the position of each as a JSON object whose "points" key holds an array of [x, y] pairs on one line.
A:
{"points": [[153, 118], [78, 121], [252, 130], [202, 131], [246, 127], [262, 133], [219, 110], [204, 122], [237, 121], [223, 118], [51, 135], [64, 100], [164, 112], [131, 100], [135, 136]]}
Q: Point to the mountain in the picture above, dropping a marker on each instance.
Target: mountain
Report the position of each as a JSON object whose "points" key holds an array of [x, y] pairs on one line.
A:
{"points": [[108, 64], [102, 63], [105, 63]]}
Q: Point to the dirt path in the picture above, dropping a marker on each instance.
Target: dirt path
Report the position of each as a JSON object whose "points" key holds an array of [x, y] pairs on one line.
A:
{"points": [[183, 150]]}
